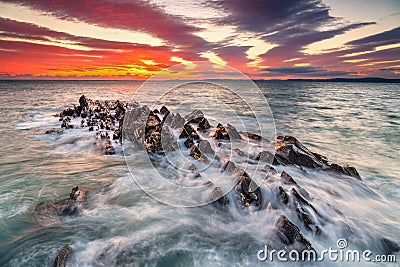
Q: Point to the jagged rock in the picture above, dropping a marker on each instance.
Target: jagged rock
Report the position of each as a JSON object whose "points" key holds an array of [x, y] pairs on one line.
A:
{"points": [[196, 116], [177, 121], [204, 124], [67, 112], [189, 142], [304, 216], [345, 169], [265, 156], [84, 101], [243, 189], [287, 179], [290, 151], [144, 129], [74, 202], [196, 153], [221, 132], [62, 256], [187, 131], [290, 234], [229, 168], [232, 132], [109, 148], [302, 200], [205, 147], [218, 197], [253, 136], [283, 195], [163, 110]]}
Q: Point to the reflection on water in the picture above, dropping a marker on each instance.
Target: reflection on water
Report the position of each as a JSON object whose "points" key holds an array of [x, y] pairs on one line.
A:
{"points": [[357, 124]]}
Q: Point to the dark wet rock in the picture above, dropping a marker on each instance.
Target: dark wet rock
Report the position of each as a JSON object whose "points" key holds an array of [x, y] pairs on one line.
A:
{"points": [[290, 234], [229, 168], [196, 153], [248, 196], [177, 121], [65, 123], [109, 148], [189, 142], [232, 132], [163, 110], [270, 169], [54, 131], [344, 169], [221, 133], [102, 135], [253, 136], [219, 198], [389, 246], [84, 101], [204, 124], [205, 148], [304, 216], [62, 256], [196, 116], [287, 179], [302, 200], [290, 151], [265, 156], [144, 129], [239, 151], [67, 112], [74, 202], [283, 196], [187, 131]]}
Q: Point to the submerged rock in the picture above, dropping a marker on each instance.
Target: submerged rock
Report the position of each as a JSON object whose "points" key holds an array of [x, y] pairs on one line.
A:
{"points": [[74, 203], [219, 198], [62, 256], [46, 214]]}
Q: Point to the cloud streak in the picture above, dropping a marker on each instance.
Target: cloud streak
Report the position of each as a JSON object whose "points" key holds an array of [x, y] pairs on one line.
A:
{"points": [[285, 27]]}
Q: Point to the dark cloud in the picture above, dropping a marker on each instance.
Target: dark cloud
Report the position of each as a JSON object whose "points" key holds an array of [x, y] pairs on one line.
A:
{"points": [[129, 15], [384, 38], [290, 24]]}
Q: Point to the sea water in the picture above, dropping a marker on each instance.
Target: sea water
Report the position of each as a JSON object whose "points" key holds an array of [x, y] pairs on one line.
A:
{"points": [[350, 123]]}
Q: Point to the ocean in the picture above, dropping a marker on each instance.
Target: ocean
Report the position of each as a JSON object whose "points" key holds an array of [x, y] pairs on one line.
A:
{"points": [[349, 123]]}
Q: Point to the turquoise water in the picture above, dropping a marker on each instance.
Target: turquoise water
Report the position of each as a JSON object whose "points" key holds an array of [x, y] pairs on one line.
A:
{"points": [[356, 124]]}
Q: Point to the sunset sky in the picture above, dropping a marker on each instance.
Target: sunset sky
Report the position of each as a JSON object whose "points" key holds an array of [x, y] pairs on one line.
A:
{"points": [[265, 39]]}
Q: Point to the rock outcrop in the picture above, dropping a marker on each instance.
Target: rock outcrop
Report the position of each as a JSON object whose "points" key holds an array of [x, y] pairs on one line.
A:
{"points": [[289, 150], [154, 132], [62, 256]]}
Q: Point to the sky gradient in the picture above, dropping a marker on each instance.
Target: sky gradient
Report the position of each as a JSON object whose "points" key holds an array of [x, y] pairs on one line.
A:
{"points": [[265, 39]]}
